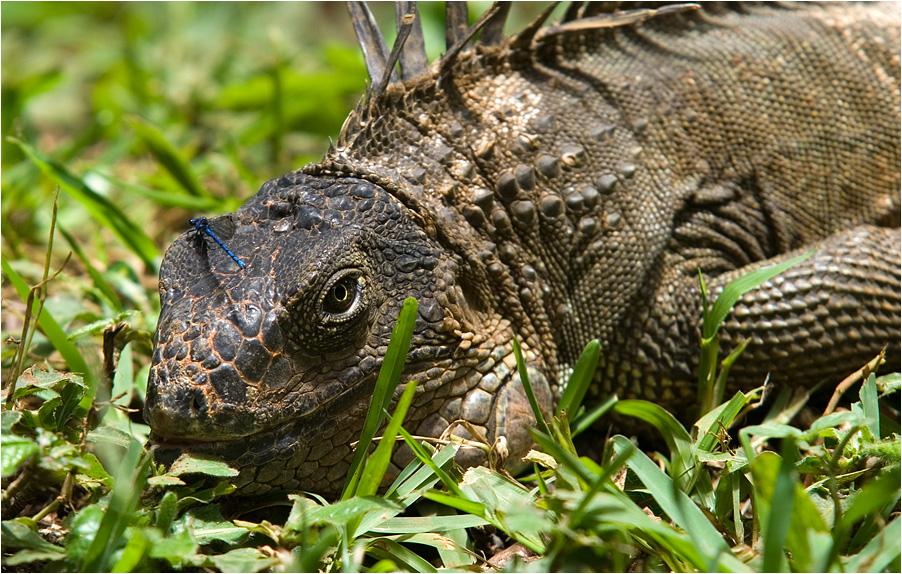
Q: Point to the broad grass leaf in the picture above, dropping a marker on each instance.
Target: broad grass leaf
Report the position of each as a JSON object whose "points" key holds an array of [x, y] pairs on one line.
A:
{"points": [[243, 560], [82, 525], [15, 451], [889, 384], [187, 464], [135, 551], [110, 435], [415, 524], [771, 430], [452, 545], [130, 479], [94, 474], [18, 535], [176, 549], [38, 555], [206, 495], [510, 504], [7, 420], [342, 512], [207, 525]]}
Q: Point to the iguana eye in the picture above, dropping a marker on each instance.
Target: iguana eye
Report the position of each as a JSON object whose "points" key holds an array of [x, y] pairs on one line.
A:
{"points": [[343, 296]]}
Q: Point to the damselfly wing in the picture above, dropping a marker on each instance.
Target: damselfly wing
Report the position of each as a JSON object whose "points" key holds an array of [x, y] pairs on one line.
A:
{"points": [[214, 227]]}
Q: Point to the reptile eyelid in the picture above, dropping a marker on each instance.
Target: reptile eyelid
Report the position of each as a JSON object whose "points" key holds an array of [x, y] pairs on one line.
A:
{"points": [[356, 306]]}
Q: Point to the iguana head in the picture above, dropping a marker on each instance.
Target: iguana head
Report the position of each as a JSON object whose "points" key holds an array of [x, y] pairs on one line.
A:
{"points": [[271, 367]]}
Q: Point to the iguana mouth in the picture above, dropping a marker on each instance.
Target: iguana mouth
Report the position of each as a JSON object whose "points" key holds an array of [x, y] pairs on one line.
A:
{"points": [[169, 427], [302, 434]]}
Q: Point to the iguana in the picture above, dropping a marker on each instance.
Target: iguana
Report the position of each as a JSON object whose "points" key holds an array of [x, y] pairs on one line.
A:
{"points": [[562, 184]]}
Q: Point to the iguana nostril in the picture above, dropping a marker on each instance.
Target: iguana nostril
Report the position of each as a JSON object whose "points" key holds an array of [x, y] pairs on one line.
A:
{"points": [[194, 404]]}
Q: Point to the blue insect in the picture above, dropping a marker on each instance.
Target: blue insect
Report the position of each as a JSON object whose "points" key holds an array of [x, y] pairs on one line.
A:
{"points": [[202, 225]]}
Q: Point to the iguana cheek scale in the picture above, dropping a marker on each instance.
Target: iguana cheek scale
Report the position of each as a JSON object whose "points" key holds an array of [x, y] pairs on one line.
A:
{"points": [[563, 184]]}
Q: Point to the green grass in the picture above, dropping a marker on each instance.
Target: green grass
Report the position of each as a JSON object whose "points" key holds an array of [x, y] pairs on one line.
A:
{"points": [[139, 124]]}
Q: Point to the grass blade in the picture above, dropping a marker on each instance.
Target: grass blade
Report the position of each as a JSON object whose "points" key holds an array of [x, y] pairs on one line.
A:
{"points": [[424, 457], [682, 449], [389, 375], [581, 378], [168, 156], [882, 552], [416, 524], [130, 480], [587, 420], [99, 282], [386, 549], [781, 507], [175, 198], [875, 495], [530, 395], [57, 336], [377, 464], [459, 503], [738, 287], [868, 396], [720, 418], [677, 505], [100, 207]]}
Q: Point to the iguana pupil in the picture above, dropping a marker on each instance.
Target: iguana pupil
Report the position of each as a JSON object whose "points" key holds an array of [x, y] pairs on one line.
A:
{"points": [[340, 297]]}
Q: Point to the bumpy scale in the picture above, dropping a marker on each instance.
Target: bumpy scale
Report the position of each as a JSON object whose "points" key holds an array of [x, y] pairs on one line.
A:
{"points": [[565, 184]]}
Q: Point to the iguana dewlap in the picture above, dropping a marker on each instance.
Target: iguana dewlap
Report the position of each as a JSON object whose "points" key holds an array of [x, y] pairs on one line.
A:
{"points": [[563, 184]]}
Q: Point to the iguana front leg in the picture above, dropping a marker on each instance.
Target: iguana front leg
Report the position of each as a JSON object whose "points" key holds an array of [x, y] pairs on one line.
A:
{"points": [[821, 319]]}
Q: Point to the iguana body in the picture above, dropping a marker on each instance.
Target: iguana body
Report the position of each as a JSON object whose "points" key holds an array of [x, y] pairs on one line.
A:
{"points": [[564, 185]]}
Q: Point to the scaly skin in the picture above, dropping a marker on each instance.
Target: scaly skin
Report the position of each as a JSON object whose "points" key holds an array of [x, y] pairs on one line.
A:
{"points": [[562, 188]]}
